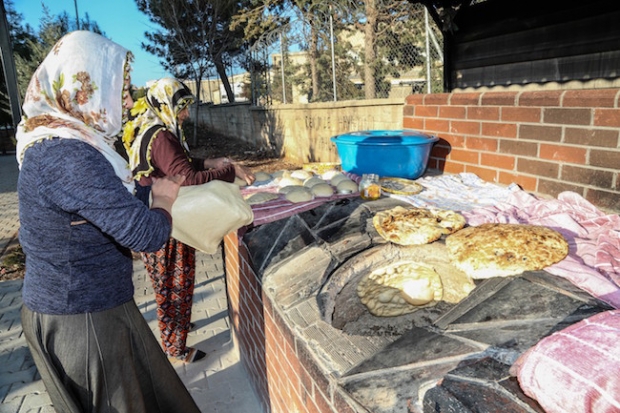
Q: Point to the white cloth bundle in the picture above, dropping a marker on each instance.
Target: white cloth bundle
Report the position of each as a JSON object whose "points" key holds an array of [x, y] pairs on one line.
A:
{"points": [[203, 214]]}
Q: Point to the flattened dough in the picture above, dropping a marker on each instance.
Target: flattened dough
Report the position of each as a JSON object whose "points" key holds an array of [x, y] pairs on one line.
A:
{"points": [[400, 288]]}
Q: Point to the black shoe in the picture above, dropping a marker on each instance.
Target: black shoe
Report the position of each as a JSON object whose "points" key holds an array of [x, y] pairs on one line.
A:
{"points": [[192, 355], [196, 355]]}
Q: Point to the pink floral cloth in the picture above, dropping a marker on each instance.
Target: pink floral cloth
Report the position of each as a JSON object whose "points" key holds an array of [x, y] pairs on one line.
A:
{"points": [[576, 369]]}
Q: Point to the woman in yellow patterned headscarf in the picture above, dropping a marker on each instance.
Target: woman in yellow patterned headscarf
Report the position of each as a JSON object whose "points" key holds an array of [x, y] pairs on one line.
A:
{"points": [[156, 147]]}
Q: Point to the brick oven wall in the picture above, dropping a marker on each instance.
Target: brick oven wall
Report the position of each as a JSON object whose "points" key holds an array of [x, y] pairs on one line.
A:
{"points": [[546, 141], [285, 377]]}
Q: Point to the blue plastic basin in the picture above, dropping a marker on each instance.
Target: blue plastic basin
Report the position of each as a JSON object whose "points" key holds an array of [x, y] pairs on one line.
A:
{"points": [[394, 153]]}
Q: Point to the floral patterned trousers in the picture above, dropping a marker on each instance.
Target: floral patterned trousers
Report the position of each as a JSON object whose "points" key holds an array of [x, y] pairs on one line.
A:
{"points": [[172, 270]]}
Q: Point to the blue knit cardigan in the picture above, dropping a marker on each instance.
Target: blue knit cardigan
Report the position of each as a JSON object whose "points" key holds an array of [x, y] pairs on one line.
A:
{"points": [[78, 225]]}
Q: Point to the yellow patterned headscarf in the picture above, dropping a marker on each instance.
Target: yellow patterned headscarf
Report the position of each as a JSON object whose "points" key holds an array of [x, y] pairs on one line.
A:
{"points": [[158, 110], [77, 93]]}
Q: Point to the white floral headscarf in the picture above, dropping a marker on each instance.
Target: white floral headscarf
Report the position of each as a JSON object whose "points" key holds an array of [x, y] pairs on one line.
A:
{"points": [[158, 110], [77, 93]]}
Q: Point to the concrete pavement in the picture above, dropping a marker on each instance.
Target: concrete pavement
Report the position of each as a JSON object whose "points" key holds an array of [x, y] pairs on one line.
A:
{"points": [[218, 383]]}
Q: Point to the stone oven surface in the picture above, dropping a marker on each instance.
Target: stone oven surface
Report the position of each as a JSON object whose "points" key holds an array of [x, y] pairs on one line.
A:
{"points": [[450, 357]]}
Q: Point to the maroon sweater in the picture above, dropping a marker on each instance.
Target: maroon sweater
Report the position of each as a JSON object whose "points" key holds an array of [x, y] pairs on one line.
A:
{"points": [[169, 158]]}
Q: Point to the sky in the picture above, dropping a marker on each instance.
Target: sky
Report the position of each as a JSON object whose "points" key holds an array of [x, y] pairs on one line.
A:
{"points": [[120, 20]]}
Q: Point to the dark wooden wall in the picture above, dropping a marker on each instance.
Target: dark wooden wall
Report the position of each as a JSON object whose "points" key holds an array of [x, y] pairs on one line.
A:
{"points": [[502, 42]]}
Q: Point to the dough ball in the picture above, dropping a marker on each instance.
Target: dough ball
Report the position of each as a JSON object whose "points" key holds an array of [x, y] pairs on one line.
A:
{"points": [[323, 190], [286, 189], [328, 175], [346, 186], [262, 177], [315, 180], [289, 181], [302, 174], [261, 198], [301, 194], [279, 174], [336, 178]]}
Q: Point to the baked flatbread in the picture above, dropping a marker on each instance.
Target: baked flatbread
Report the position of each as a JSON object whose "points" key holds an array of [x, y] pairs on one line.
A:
{"points": [[400, 288], [416, 226], [501, 250], [400, 186]]}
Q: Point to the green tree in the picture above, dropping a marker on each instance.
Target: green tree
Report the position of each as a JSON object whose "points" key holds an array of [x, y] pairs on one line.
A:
{"points": [[389, 44], [192, 37], [20, 38], [266, 21]]}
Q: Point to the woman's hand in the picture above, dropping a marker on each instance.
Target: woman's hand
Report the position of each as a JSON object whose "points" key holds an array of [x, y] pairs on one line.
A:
{"points": [[244, 173], [165, 191]]}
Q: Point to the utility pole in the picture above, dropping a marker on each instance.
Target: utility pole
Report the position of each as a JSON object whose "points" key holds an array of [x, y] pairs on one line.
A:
{"points": [[77, 16], [8, 64]]}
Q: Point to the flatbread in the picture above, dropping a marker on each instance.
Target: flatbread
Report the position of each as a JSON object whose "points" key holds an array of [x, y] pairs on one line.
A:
{"points": [[416, 226], [261, 198], [400, 288], [501, 250], [400, 186]]}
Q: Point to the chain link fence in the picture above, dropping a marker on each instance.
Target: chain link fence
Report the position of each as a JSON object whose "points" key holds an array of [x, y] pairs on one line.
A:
{"points": [[347, 50], [340, 50]]}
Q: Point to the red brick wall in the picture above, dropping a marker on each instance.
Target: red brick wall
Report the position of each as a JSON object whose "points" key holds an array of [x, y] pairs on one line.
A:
{"points": [[282, 369], [545, 141]]}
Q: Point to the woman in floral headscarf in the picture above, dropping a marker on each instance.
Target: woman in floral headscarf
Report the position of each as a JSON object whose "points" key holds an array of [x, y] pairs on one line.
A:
{"points": [[156, 146], [79, 222]]}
